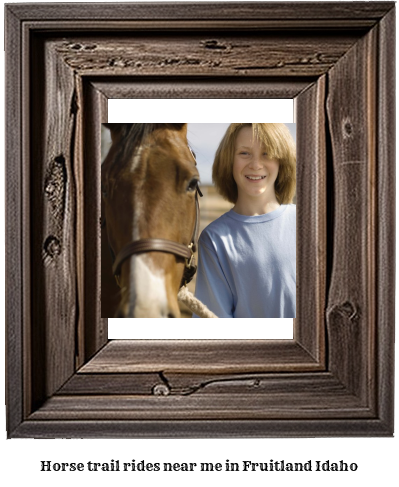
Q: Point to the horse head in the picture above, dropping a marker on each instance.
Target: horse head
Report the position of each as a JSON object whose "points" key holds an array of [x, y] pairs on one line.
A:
{"points": [[149, 182]]}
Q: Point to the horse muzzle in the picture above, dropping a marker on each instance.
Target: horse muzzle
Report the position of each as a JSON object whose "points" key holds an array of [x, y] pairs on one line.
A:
{"points": [[131, 311], [149, 292]]}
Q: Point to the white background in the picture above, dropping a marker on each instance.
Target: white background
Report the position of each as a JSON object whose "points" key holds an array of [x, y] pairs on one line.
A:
{"points": [[198, 111], [377, 458]]}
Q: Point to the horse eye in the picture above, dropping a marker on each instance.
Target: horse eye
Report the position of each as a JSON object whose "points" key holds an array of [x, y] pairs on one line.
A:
{"points": [[192, 185]]}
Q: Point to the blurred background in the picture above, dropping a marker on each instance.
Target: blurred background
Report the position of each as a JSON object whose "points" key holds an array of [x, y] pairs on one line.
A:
{"points": [[204, 139]]}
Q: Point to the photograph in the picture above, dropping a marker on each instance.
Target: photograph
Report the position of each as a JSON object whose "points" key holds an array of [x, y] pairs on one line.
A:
{"points": [[227, 190]]}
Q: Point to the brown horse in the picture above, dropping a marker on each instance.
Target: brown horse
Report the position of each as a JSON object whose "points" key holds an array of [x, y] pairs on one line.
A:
{"points": [[149, 184]]}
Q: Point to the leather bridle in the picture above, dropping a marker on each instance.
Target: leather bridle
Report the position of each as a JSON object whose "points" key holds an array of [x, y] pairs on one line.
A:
{"points": [[162, 245]]}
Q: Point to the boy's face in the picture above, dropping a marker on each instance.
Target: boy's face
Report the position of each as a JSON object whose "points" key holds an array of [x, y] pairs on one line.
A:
{"points": [[253, 171]]}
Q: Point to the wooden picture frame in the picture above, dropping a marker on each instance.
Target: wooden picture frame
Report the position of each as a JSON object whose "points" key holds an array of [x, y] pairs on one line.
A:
{"points": [[64, 378]]}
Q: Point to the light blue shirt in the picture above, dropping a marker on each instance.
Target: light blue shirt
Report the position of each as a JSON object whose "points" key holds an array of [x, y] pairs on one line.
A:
{"points": [[247, 265]]}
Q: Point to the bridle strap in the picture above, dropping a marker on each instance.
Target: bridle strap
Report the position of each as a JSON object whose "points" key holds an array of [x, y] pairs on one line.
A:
{"points": [[162, 245], [194, 238], [150, 245]]}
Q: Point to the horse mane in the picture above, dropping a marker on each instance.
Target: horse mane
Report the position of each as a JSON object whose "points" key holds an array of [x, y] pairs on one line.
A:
{"points": [[131, 135], [134, 132]]}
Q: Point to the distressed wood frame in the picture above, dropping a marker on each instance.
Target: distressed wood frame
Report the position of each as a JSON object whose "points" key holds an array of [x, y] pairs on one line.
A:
{"points": [[64, 378]]}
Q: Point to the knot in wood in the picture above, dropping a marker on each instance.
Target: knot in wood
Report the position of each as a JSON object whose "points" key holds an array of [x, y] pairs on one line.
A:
{"points": [[90, 47], [347, 128], [161, 390], [213, 44], [52, 246], [50, 188], [349, 310]]}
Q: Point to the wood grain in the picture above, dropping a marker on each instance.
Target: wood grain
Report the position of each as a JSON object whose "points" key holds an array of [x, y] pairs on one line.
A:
{"points": [[63, 63], [311, 219], [351, 306], [17, 247], [185, 383], [189, 428], [385, 221], [153, 87], [94, 329], [53, 216], [246, 55], [359, 14], [202, 407], [200, 356]]}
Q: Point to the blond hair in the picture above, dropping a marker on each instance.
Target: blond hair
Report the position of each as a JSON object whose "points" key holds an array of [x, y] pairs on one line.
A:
{"points": [[278, 144]]}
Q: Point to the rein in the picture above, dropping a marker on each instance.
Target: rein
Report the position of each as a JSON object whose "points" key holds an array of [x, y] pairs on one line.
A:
{"points": [[162, 245]]}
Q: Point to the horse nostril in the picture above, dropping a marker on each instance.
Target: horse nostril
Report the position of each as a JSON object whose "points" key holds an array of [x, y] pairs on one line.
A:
{"points": [[171, 315]]}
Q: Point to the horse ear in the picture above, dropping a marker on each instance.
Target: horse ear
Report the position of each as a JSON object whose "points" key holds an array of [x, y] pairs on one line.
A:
{"points": [[115, 128], [178, 126], [181, 127]]}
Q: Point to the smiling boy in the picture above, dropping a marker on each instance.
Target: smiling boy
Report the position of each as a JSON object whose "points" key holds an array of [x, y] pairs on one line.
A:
{"points": [[247, 257]]}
